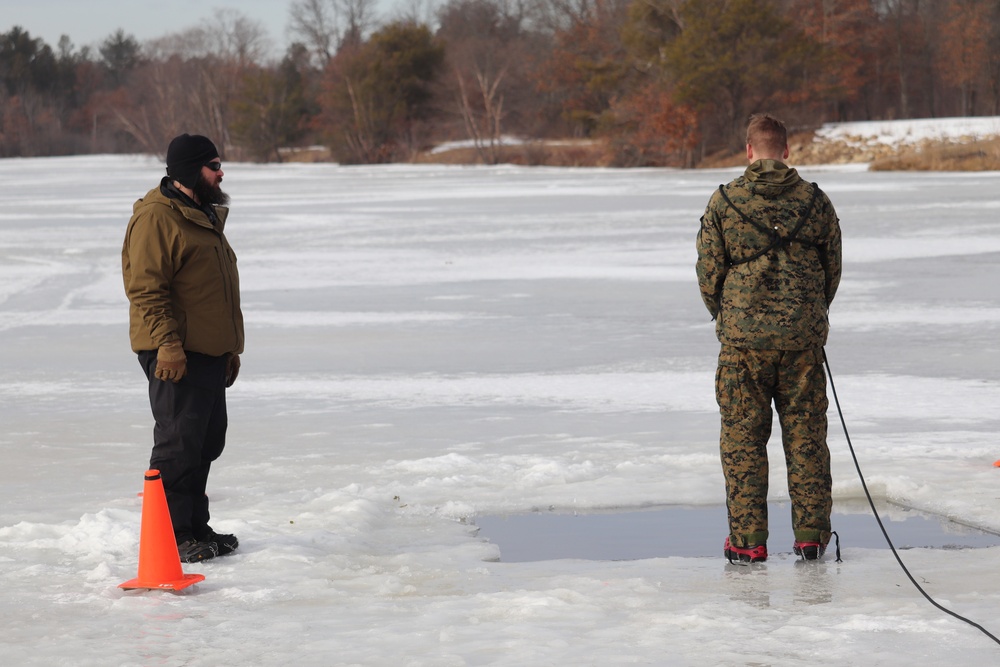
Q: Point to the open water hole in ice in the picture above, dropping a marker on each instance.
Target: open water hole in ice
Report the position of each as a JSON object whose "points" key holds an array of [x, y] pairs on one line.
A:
{"points": [[687, 531]]}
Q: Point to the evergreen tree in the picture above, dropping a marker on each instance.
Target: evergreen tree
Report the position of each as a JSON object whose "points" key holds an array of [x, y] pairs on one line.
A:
{"points": [[271, 110], [378, 94], [120, 54], [736, 57]]}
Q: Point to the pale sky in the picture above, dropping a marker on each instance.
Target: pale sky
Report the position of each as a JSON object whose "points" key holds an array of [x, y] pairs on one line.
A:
{"points": [[89, 22]]}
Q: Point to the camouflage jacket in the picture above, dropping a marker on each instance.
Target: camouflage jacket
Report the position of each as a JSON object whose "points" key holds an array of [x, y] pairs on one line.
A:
{"points": [[769, 260]]}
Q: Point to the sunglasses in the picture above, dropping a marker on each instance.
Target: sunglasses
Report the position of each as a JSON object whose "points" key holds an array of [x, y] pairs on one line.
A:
{"points": [[215, 166]]}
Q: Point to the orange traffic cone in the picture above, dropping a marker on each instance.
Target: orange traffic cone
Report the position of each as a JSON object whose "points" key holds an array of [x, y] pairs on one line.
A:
{"points": [[159, 562]]}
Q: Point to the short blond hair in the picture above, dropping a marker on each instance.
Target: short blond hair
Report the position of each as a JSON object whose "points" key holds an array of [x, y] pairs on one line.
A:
{"points": [[767, 133]]}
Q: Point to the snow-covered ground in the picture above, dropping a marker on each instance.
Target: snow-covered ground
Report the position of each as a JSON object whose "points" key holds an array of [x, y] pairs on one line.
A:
{"points": [[429, 344], [911, 132]]}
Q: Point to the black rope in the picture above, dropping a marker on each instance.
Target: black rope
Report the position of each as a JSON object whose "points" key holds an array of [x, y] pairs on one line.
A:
{"points": [[877, 518]]}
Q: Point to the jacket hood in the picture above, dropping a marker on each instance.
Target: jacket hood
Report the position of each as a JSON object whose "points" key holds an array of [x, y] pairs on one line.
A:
{"points": [[770, 178]]}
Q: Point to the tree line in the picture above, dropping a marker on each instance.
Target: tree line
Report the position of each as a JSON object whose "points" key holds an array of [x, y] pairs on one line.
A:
{"points": [[657, 82]]}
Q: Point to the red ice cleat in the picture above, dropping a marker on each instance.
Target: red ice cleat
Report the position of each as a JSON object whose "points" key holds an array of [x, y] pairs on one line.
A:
{"points": [[809, 550], [754, 554]]}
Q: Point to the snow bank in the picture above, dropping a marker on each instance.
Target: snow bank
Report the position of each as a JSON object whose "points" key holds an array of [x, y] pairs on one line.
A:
{"points": [[911, 132]]}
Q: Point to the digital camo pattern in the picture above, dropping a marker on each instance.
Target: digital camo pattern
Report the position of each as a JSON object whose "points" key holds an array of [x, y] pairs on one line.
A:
{"points": [[780, 300], [746, 383]]}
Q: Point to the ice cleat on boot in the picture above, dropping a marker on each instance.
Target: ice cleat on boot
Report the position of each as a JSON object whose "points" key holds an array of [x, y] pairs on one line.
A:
{"points": [[193, 551], [809, 550], [754, 554], [224, 544], [814, 550]]}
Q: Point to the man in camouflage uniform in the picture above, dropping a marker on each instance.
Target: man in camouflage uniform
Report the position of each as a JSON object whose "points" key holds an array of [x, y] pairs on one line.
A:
{"points": [[769, 263]]}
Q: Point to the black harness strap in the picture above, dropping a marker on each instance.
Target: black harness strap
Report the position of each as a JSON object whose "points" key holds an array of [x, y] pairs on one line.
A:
{"points": [[777, 240]]}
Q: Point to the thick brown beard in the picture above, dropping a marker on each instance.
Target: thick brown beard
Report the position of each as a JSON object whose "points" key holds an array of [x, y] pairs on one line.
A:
{"points": [[206, 193]]}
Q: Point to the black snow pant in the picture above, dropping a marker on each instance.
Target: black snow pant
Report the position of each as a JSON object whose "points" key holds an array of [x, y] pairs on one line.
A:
{"points": [[189, 433]]}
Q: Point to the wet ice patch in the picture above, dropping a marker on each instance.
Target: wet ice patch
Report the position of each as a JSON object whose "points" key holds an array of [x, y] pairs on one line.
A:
{"points": [[683, 531]]}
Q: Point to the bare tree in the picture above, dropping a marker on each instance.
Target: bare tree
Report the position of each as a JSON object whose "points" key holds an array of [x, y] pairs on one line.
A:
{"points": [[231, 37], [326, 26], [415, 11], [965, 35], [490, 49], [483, 121], [241, 39], [312, 21], [159, 106], [192, 80], [901, 20], [558, 15]]}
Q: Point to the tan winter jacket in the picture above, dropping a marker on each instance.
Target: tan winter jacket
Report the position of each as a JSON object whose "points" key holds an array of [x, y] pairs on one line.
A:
{"points": [[180, 278]]}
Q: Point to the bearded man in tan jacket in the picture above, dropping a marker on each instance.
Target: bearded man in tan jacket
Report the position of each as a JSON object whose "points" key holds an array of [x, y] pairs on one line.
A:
{"points": [[186, 326]]}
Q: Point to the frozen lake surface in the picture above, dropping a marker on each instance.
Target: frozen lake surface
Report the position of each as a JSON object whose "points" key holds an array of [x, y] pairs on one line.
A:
{"points": [[428, 345]]}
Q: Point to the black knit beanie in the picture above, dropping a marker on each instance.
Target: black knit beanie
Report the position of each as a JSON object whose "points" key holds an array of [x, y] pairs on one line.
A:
{"points": [[187, 154]]}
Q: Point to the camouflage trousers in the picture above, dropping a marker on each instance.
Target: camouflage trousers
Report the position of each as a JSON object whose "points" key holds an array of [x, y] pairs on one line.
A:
{"points": [[746, 383]]}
